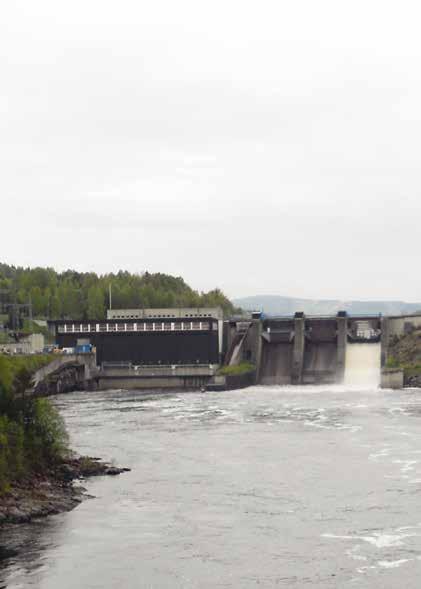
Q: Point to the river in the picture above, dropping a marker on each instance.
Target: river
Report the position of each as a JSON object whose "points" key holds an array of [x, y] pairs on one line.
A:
{"points": [[265, 487]]}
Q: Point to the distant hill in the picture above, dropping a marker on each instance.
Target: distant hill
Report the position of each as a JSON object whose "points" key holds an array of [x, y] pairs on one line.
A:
{"points": [[277, 305]]}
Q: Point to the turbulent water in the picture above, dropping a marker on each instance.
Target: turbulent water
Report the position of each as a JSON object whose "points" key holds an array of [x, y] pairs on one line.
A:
{"points": [[265, 487], [362, 364]]}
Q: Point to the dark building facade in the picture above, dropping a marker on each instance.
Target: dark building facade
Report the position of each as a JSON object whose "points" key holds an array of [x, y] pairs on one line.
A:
{"points": [[149, 341]]}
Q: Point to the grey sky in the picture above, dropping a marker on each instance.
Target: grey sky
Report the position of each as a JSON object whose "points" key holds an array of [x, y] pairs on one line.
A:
{"points": [[262, 147]]}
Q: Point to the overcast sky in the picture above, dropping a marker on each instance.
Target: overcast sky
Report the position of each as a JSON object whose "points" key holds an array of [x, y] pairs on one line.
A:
{"points": [[262, 147]]}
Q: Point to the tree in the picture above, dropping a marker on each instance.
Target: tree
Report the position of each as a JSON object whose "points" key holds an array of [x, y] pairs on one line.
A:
{"points": [[96, 303]]}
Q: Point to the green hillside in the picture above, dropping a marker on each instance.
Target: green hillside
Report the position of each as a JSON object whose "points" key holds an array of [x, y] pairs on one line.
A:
{"points": [[79, 295]]}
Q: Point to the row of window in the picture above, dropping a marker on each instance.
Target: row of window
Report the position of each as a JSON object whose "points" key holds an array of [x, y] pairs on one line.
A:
{"points": [[124, 327], [157, 316]]}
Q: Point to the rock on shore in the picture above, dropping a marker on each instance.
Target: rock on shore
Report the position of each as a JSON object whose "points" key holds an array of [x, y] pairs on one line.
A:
{"points": [[52, 492]]}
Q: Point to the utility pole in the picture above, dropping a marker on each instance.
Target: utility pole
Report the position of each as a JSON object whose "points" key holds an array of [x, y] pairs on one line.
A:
{"points": [[110, 297]]}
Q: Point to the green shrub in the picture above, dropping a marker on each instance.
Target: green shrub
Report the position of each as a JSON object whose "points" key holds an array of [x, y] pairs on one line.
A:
{"points": [[392, 362], [32, 433], [49, 429], [12, 454], [238, 369]]}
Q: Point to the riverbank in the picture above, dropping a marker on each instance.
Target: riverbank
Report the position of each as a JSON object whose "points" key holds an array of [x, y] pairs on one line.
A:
{"points": [[52, 492], [37, 467]]}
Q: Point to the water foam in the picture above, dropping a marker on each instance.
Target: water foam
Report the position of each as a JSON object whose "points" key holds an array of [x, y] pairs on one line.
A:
{"points": [[393, 564], [378, 539], [362, 365]]}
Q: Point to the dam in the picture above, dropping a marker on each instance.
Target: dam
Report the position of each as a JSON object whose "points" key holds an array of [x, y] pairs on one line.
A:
{"points": [[184, 348], [313, 350]]}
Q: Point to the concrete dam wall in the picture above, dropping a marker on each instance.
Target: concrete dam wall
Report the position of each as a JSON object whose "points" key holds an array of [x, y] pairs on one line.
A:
{"points": [[315, 350], [168, 351]]}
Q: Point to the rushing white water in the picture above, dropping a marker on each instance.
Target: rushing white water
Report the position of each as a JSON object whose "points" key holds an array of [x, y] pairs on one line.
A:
{"points": [[362, 365]]}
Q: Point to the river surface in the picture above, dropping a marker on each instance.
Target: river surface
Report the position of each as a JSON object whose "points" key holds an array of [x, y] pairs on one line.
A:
{"points": [[265, 487]]}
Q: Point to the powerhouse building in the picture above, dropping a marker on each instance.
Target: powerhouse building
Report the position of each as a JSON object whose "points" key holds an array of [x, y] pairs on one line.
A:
{"points": [[148, 336]]}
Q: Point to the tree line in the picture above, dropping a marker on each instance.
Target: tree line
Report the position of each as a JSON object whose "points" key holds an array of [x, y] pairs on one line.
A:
{"points": [[83, 295]]}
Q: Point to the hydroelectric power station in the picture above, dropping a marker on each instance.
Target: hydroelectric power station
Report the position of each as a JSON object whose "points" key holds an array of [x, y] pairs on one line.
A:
{"points": [[184, 348]]}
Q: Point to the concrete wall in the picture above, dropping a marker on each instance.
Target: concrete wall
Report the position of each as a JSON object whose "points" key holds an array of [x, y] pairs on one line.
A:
{"points": [[63, 361], [156, 377], [392, 379], [158, 382]]}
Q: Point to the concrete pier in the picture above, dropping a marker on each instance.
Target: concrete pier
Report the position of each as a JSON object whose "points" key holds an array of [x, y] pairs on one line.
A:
{"points": [[298, 349], [258, 328], [385, 326], [342, 329]]}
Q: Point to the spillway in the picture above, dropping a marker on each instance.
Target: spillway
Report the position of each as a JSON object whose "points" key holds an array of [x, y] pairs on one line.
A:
{"points": [[276, 364], [362, 364], [320, 361]]}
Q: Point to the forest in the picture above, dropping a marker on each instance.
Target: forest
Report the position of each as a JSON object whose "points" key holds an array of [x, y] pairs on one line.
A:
{"points": [[82, 295]]}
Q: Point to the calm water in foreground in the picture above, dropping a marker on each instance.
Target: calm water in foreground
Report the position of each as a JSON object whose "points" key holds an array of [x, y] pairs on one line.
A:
{"points": [[291, 487]]}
